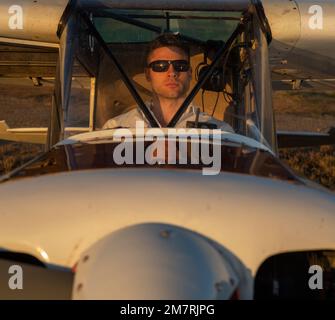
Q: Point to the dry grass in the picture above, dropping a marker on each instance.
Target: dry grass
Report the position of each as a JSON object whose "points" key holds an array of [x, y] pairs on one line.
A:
{"points": [[317, 164], [13, 155]]}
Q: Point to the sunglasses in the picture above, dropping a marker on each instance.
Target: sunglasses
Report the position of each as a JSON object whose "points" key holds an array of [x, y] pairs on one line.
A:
{"points": [[163, 65]]}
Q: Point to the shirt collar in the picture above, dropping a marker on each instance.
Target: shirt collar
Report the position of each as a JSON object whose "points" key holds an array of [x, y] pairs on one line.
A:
{"points": [[190, 109]]}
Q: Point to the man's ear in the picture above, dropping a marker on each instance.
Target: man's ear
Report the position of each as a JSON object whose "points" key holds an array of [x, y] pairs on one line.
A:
{"points": [[147, 74]]}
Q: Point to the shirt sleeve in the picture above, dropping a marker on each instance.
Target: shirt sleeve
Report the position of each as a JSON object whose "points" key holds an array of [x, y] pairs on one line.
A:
{"points": [[125, 120]]}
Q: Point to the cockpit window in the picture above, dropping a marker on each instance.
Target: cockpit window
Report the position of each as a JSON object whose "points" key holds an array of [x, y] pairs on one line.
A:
{"points": [[128, 33], [226, 72], [129, 26], [303, 275]]}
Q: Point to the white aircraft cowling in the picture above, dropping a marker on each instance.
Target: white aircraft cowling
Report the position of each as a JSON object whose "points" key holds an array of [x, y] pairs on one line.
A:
{"points": [[158, 262], [57, 217]]}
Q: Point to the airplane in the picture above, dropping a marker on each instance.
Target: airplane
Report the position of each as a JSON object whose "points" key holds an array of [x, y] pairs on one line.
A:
{"points": [[77, 222]]}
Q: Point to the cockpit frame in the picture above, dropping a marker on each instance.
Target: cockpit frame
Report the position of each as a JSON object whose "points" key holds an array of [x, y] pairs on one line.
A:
{"points": [[246, 51]]}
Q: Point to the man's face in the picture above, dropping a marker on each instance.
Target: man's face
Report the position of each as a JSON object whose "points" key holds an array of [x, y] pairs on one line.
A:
{"points": [[170, 84]]}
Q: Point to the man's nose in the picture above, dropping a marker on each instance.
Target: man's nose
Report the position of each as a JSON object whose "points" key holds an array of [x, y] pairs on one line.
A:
{"points": [[171, 71]]}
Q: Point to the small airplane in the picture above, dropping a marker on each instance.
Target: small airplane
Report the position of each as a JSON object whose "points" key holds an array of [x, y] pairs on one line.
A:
{"points": [[224, 219]]}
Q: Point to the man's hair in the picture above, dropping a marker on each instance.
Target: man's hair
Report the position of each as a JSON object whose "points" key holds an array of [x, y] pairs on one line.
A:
{"points": [[168, 40]]}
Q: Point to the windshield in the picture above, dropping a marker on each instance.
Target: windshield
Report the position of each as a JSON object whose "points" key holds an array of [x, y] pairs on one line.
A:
{"points": [[129, 26], [128, 34], [212, 85]]}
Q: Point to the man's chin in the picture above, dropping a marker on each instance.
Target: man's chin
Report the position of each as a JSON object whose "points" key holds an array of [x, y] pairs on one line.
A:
{"points": [[172, 95]]}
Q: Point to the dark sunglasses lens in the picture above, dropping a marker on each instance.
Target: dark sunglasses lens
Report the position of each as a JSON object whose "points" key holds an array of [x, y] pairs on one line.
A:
{"points": [[181, 66], [160, 66], [163, 65]]}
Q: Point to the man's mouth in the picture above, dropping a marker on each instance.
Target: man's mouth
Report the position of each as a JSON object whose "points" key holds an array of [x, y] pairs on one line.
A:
{"points": [[172, 85]]}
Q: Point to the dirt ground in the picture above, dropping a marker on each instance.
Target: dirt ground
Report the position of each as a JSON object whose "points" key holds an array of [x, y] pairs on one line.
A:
{"points": [[304, 111]]}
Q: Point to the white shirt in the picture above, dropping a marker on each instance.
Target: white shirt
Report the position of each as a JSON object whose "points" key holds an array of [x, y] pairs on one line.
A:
{"points": [[128, 120]]}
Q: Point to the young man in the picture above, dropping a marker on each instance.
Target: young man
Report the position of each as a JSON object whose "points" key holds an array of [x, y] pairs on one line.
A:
{"points": [[169, 73]]}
